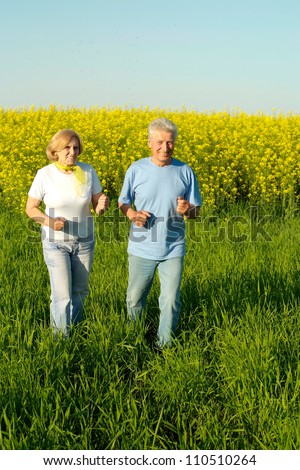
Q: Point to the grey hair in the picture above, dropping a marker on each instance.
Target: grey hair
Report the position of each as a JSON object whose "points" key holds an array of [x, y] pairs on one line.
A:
{"points": [[162, 124]]}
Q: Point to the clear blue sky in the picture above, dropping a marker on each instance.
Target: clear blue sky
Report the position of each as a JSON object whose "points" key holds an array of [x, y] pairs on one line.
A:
{"points": [[205, 55]]}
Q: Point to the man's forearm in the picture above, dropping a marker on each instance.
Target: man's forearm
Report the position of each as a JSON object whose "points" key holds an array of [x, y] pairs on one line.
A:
{"points": [[127, 210], [192, 212]]}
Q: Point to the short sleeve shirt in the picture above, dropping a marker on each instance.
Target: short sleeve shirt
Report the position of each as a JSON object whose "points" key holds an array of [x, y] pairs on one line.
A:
{"points": [[64, 196], [155, 189]]}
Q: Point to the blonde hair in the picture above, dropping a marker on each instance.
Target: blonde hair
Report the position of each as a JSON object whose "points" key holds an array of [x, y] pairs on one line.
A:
{"points": [[59, 141]]}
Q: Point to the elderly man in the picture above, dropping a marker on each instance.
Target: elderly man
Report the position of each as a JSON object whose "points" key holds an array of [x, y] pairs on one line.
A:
{"points": [[158, 193]]}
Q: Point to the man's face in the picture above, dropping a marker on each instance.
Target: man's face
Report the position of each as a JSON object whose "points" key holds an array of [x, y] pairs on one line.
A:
{"points": [[162, 147]]}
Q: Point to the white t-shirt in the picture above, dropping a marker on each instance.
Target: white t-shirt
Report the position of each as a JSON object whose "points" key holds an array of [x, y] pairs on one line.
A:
{"points": [[64, 196]]}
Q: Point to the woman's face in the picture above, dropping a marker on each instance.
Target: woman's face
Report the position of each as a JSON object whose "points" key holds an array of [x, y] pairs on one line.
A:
{"points": [[68, 155]]}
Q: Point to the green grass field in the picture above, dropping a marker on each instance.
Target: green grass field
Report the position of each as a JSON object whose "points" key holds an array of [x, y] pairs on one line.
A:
{"points": [[231, 380]]}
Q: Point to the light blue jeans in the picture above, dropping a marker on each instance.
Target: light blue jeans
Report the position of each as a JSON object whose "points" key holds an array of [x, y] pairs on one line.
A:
{"points": [[141, 275], [69, 265]]}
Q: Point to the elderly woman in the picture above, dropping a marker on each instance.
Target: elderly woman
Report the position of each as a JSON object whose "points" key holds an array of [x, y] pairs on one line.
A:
{"points": [[67, 188]]}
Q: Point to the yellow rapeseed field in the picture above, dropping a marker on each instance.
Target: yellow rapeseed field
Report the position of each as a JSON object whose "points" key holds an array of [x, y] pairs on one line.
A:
{"points": [[236, 156]]}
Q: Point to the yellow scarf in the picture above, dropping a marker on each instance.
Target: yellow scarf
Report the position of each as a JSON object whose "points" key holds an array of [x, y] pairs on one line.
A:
{"points": [[78, 172]]}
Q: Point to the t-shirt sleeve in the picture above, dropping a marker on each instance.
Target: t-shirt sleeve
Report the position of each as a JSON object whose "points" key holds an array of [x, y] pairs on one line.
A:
{"points": [[96, 185], [127, 192], [36, 190], [193, 195]]}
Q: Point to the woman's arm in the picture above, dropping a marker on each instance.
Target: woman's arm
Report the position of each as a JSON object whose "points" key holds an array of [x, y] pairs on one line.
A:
{"points": [[33, 211], [100, 202]]}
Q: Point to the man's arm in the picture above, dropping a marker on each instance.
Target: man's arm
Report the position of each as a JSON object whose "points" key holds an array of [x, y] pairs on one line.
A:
{"points": [[138, 217], [186, 209]]}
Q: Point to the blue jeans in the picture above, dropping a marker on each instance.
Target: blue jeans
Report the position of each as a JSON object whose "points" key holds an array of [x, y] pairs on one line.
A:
{"points": [[141, 275], [69, 265]]}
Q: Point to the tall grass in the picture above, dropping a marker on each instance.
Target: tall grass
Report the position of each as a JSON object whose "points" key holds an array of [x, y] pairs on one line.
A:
{"points": [[230, 381]]}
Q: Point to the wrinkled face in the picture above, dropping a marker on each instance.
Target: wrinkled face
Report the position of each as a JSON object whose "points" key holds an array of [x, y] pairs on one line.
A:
{"points": [[68, 155], [161, 144]]}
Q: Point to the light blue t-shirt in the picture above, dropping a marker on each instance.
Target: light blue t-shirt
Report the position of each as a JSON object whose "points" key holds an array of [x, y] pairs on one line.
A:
{"points": [[155, 189]]}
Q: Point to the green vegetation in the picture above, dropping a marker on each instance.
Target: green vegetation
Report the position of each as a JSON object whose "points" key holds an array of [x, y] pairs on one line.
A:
{"points": [[231, 380]]}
